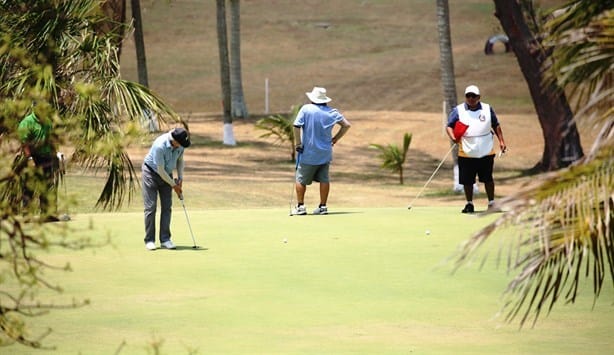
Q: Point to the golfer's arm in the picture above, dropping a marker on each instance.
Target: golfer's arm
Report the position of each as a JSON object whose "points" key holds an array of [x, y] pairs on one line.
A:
{"points": [[450, 132], [499, 134], [297, 136], [162, 173], [180, 166], [345, 126]]}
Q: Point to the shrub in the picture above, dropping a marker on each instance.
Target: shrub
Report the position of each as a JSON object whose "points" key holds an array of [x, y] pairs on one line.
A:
{"points": [[392, 157]]}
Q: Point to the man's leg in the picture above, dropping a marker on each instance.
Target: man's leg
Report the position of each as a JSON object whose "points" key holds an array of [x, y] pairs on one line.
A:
{"points": [[324, 190], [485, 174], [468, 192], [300, 193], [466, 176], [166, 204], [150, 197], [490, 190], [47, 188]]}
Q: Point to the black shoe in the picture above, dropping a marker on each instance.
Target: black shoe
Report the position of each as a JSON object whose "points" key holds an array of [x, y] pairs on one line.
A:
{"points": [[468, 208]]}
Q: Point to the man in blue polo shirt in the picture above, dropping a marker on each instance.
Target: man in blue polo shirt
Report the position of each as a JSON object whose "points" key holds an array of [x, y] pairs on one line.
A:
{"points": [[165, 155], [313, 128]]}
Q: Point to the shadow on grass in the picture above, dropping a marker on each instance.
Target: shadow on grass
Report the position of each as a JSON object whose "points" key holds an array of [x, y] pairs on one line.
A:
{"points": [[329, 213], [184, 247]]}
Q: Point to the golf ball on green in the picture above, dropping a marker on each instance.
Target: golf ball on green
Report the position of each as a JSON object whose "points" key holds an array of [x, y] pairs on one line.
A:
{"points": [[428, 232]]}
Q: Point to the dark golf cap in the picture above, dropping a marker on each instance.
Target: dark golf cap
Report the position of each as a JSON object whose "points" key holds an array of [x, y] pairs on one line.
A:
{"points": [[181, 136]]}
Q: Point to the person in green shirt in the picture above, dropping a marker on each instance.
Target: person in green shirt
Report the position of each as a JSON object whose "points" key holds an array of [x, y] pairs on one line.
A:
{"points": [[36, 145]]}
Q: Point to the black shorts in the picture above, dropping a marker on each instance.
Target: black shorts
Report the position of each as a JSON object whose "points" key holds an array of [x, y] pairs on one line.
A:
{"points": [[468, 168]]}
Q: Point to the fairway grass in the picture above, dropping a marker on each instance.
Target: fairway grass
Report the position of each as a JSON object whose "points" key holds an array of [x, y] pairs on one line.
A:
{"points": [[359, 281]]}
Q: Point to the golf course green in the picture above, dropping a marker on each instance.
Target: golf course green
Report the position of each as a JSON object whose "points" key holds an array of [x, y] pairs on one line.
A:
{"points": [[357, 281]]}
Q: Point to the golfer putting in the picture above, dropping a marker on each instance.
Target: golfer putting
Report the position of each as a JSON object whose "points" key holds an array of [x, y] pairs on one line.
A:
{"points": [[314, 141], [165, 156]]}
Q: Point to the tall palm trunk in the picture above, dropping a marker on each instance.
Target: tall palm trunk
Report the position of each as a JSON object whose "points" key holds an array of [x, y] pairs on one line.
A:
{"points": [[115, 10], [222, 41], [239, 109], [446, 64], [139, 42], [561, 139], [446, 59]]}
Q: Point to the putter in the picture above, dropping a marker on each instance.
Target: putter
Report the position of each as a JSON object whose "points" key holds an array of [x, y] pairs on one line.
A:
{"points": [[298, 160], [432, 175], [194, 246]]}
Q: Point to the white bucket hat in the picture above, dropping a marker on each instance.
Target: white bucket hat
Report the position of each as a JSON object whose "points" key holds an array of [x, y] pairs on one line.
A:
{"points": [[472, 89], [318, 95]]}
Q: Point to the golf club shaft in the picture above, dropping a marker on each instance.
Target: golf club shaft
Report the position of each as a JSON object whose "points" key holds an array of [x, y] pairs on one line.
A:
{"points": [[298, 160], [432, 175], [188, 219]]}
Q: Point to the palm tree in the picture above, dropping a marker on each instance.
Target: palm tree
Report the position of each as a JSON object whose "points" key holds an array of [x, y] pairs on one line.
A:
{"points": [[562, 227], [446, 59], [446, 64], [239, 108], [392, 157], [115, 13], [80, 79], [139, 42], [281, 127], [55, 53], [222, 43]]}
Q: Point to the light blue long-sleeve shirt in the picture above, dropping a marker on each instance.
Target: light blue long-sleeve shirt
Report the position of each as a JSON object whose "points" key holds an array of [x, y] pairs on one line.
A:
{"points": [[163, 158]]}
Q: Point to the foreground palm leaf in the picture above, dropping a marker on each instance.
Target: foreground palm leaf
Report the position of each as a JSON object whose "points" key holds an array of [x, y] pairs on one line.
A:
{"points": [[57, 51], [555, 233]]}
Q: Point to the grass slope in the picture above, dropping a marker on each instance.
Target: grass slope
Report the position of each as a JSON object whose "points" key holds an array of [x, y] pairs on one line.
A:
{"points": [[369, 54], [360, 281]]}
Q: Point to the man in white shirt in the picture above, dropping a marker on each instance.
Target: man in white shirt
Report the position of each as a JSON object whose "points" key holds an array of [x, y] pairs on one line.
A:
{"points": [[476, 151]]}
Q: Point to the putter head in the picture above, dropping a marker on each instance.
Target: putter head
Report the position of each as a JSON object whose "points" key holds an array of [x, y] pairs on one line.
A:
{"points": [[409, 207]]}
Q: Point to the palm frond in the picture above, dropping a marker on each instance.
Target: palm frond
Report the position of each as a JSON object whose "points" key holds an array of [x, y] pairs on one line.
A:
{"points": [[392, 157], [562, 229], [277, 126], [582, 39]]}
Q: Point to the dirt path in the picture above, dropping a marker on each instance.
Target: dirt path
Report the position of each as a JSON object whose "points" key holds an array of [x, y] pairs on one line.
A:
{"points": [[258, 173]]}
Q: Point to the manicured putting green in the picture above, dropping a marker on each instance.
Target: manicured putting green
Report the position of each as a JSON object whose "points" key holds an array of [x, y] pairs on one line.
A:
{"points": [[369, 281]]}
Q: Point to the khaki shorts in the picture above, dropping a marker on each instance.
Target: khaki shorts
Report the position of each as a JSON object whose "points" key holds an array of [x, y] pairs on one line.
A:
{"points": [[306, 174]]}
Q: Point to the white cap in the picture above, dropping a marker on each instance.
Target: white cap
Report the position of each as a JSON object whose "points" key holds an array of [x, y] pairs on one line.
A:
{"points": [[472, 89]]}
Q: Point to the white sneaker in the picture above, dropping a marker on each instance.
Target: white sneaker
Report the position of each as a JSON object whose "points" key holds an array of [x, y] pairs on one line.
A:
{"points": [[168, 245], [150, 246], [321, 210], [299, 210]]}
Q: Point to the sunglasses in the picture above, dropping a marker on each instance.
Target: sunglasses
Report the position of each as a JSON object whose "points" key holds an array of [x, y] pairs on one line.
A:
{"points": [[471, 96]]}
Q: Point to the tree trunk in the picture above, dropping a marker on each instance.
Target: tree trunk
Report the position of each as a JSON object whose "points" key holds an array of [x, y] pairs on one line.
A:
{"points": [[561, 139], [446, 64], [222, 40], [139, 42], [446, 59], [239, 109], [115, 10]]}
